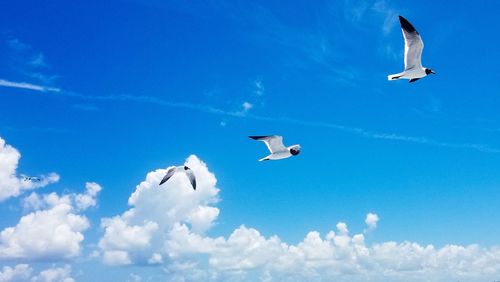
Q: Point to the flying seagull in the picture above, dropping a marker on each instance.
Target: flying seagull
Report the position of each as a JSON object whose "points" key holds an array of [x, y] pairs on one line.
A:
{"points": [[413, 54], [189, 173], [275, 145], [31, 178]]}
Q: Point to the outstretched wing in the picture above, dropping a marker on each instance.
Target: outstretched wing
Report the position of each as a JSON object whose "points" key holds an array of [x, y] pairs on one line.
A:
{"points": [[273, 142], [169, 174], [413, 45], [191, 176]]}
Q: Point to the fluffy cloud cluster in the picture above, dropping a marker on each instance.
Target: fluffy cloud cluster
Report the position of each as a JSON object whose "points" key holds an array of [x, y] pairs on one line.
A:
{"points": [[10, 184], [53, 230], [23, 272], [166, 226], [56, 274], [140, 234]]}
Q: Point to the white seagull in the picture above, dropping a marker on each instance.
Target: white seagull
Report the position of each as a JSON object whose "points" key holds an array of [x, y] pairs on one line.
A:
{"points": [[413, 54], [189, 173], [275, 145]]}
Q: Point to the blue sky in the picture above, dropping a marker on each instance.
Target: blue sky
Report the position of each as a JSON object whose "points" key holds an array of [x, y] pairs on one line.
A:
{"points": [[107, 92]]}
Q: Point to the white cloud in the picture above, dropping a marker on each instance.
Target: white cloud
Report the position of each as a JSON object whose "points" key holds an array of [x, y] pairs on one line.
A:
{"points": [[31, 64], [17, 45], [38, 60], [88, 199], [20, 272], [371, 220], [247, 106], [166, 226], [58, 234], [259, 87], [28, 86], [52, 231], [390, 15], [59, 274], [157, 212], [10, 184], [358, 11], [23, 272], [38, 202], [134, 278]]}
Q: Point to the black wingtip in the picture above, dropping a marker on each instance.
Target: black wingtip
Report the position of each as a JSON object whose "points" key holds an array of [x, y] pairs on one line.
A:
{"points": [[257, 137], [406, 25]]}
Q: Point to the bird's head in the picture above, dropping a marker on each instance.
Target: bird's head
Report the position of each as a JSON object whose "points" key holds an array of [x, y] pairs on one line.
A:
{"points": [[294, 150], [429, 71], [186, 168]]}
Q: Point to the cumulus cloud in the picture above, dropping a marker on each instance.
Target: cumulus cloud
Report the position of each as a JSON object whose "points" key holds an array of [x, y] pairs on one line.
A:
{"points": [[20, 272], [167, 226], [88, 199], [134, 278], [56, 274], [139, 233], [53, 230], [12, 185], [371, 220], [23, 272]]}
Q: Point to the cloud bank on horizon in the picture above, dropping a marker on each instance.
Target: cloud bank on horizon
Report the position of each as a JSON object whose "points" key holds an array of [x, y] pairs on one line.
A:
{"points": [[167, 227]]}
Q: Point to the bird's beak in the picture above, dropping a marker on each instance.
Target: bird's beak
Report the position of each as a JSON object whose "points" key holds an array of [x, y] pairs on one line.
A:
{"points": [[433, 72]]}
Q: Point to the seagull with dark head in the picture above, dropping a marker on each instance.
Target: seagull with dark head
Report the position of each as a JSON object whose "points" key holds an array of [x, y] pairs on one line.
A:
{"points": [[413, 54], [275, 145], [184, 169]]}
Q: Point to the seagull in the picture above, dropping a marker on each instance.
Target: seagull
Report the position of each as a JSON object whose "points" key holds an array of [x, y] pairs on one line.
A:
{"points": [[413, 54], [31, 178], [189, 173], [275, 145]]}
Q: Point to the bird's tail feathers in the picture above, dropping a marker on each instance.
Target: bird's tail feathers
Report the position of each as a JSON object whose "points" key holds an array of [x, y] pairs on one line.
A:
{"points": [[264, 159], [394, 76]]}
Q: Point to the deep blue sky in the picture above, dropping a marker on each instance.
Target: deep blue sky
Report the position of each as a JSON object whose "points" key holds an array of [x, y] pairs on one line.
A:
{"points": [[424, 156]]}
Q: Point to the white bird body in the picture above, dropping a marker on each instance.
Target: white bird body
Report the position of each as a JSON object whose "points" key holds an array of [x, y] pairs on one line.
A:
{"points": [[277, 155], [413, 54], [415, 73], [275, 145]]}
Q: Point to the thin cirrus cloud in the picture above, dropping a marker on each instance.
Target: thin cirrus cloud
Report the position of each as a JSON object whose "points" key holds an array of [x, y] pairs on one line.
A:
{"points": [[167, 228], [30, 63], [28, 86], [245, 114]]}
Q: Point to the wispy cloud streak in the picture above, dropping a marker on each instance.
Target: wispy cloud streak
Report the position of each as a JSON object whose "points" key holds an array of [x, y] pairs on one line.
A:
{"points": [[348, 129], [238, 114], [28, 86], [381, 135]]}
